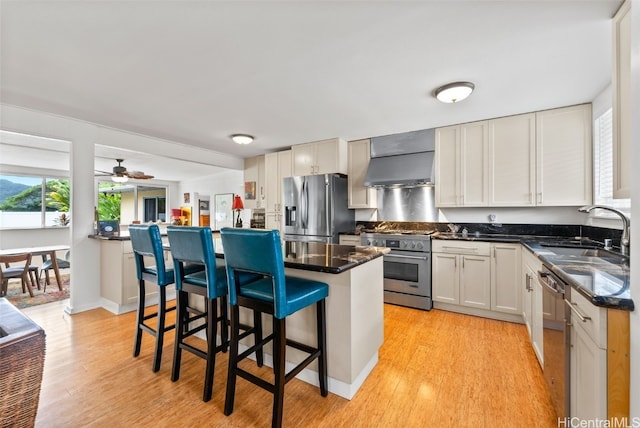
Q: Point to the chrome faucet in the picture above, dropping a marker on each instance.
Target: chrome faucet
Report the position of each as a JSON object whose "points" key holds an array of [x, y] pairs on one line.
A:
{"points": [[626, 224]]}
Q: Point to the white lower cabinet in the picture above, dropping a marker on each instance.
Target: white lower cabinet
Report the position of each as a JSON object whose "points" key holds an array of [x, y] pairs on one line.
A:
{"points": [[536, 321], [532, 301], [478, 278], [588, 376], [588, 356], [461, 273], [445, 278], [475, 281], [506, 263]]}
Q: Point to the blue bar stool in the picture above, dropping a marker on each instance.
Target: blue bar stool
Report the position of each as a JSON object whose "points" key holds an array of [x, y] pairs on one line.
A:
{"points": [[195, 245], [147, 242], [258, 251]]}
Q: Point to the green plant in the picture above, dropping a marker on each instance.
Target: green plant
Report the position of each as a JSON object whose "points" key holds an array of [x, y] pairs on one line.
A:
{"points": [[58, 195], [109, 206]]}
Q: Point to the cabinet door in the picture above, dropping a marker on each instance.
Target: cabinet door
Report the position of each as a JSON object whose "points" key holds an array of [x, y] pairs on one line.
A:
{"points": [[331, 157], [445, 278], [588, 376], [359, 154], [527, 300], [303, 159], [536, 320], [563, 144], [284, 168], [130, 280], [475, 282], [272, 199], [621, 83], [446, 164], [474, 164], [254, 172], [506, 278], [512, 160], [273, 220]]}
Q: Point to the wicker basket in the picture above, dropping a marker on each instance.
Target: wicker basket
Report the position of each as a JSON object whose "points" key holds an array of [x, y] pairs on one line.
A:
{"points": [[22, 350]]}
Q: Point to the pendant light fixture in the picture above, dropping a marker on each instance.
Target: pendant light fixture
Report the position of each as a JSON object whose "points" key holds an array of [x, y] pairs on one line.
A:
{"points": [[454, 92]]}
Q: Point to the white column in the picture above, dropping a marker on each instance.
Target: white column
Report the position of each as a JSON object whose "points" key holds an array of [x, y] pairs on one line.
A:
{"points": [[635, 209], [85, 257]]}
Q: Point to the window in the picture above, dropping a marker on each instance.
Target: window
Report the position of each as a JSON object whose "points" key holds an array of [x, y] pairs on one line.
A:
{"points": [[23, 204], [603, 166], [128, 202]]}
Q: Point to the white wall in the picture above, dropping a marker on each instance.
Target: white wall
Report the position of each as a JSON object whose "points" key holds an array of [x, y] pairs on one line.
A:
{"points": [[231, 181], [635, 209], [83, 136]]}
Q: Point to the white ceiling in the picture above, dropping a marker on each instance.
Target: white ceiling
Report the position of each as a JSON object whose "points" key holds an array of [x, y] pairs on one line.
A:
{"points": [[195, 72]]}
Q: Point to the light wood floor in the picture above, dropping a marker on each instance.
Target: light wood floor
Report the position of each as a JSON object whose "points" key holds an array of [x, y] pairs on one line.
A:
{"points": [[436, 369]]}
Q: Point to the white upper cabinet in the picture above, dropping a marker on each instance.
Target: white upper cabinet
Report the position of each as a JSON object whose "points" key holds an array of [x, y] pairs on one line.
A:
{"points": [[564, 156], [622, 102], [254, 173], [474, 140], [320, 157], [462, 165], [541, 158], [359, 154], [446, 164], [512, 161], [277, 166]]}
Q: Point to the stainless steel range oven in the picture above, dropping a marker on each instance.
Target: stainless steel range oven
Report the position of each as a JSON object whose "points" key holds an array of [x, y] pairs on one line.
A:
{"points": [[407, 268]]}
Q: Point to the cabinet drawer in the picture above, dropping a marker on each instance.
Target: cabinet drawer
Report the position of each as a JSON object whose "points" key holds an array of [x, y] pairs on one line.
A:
{"points": [[595, 318], [461, 247], [349, 239]]}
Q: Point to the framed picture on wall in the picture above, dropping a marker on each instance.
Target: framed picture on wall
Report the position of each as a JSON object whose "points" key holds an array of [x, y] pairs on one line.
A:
{"points": [[249, 190], [223, 215]]}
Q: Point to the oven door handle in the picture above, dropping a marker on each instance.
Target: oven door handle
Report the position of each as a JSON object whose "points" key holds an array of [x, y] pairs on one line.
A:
{"points": [[401, 256]]}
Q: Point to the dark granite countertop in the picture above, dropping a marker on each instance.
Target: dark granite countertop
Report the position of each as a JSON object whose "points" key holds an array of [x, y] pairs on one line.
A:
{"points": [[602, 280], [320, 257], [315, 256]]}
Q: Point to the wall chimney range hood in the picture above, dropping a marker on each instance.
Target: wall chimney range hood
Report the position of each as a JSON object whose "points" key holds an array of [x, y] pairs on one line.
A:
{"points": [[402, 160]]}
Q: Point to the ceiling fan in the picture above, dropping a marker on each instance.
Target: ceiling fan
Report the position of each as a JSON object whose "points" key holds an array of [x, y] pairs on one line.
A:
{"points": [[121, 175]]}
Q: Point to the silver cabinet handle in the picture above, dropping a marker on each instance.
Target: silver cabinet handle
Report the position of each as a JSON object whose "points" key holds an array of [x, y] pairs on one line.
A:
{"points": [[574, 309], [447, 248], [399, 256]]}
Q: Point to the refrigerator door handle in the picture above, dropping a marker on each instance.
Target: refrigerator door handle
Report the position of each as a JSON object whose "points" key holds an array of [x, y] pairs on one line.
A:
{"points": [[304, 205]]}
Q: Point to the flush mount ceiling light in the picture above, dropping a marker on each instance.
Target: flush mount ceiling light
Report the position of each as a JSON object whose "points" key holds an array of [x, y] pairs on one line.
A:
{"points": [[454, 92], [242, 138]]}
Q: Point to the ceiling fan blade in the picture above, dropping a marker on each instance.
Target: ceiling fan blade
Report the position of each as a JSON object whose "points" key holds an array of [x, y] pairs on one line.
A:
{"points": [[99, 173], [138, 174]]}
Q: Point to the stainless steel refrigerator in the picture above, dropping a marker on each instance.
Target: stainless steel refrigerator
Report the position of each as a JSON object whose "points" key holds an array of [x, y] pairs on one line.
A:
{"points": [[315, 208]]}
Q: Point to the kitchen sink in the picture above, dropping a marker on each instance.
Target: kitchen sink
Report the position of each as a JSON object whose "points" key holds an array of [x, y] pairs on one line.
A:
{"points": [[584, 252]]}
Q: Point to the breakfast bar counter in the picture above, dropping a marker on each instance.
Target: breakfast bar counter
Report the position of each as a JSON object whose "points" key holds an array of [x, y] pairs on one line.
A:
{"points": [[355, 322]]}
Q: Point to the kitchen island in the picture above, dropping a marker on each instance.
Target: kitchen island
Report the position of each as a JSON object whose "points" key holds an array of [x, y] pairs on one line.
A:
{"points": [[355, 324]]}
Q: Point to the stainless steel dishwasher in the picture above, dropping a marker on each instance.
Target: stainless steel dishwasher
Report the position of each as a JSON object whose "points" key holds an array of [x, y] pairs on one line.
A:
{"points": [[555, 339]]}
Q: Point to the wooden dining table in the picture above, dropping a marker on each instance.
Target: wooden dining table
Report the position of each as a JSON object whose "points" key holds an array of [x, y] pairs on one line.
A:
{"points": [[49, 250]]}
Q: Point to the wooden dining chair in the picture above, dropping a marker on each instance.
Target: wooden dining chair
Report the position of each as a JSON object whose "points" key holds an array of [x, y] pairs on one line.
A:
{"points": [[47, 265], [9, 272]]}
